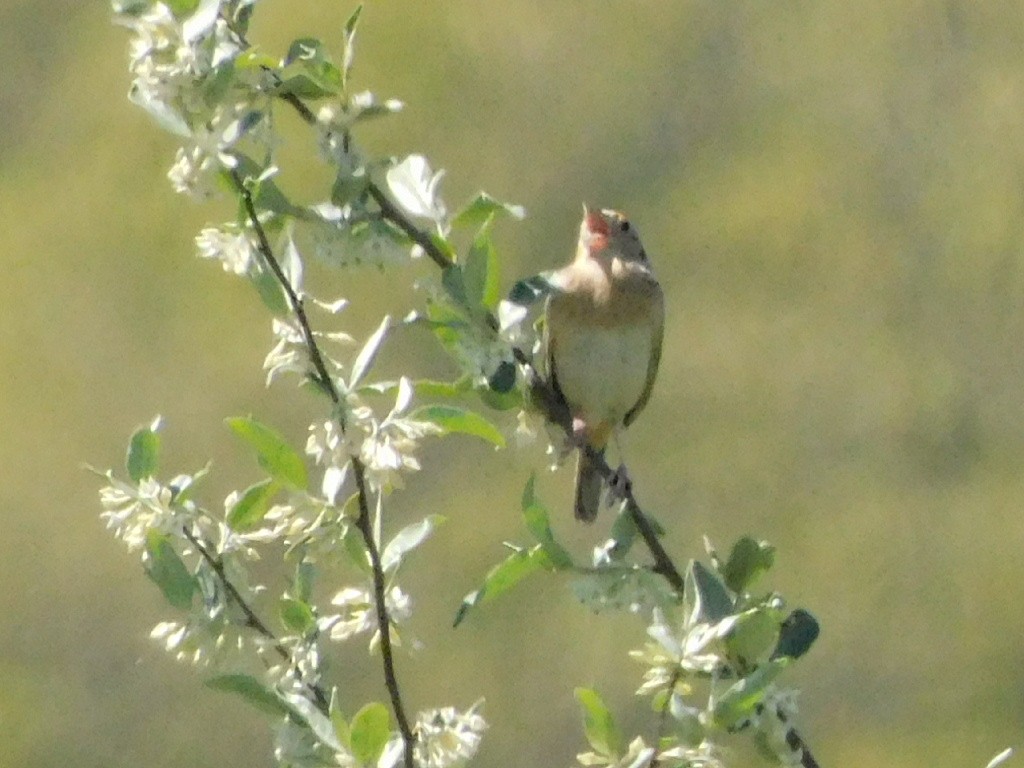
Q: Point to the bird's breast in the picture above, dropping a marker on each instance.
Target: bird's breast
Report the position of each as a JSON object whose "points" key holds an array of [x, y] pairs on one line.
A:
{"points": [[602, 370]]}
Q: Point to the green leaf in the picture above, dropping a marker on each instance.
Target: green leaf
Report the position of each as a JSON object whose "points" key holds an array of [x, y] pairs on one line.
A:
{"points": [[623, 533], [451, 418], [708, 596], [480, 272], [249, 511], [598, 724], [538, 522], [407, 540], [266, 195], [252, 690], [280, 460], [296, 615], [740, 700], [350, 38], [302, 585], [504, 378], [484, 207], [270, 290], [168, 572], [747, 561], [369, 733], [454, 284], [309, 71], [143, 452], [530, 290], [753, 635], [502, 577], [796, 635], [368, 354]]}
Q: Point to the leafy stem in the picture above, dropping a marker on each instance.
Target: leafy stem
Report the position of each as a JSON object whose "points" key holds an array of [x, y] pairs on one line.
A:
{"points": [[323, 379], [251, 619]]}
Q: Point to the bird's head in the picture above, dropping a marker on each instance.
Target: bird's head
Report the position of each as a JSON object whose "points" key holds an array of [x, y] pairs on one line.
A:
{"points": [[608, 234]]}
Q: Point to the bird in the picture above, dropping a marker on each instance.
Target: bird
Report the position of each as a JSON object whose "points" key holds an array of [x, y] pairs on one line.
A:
{"points": [[604, 326]]}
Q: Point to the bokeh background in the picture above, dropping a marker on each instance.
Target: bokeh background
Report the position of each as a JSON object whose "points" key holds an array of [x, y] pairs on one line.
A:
{"points": [[833, 196]]}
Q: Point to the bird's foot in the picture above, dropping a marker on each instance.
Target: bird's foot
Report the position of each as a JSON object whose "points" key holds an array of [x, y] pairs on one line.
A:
{"points": [[574, 441], [619, 485]]}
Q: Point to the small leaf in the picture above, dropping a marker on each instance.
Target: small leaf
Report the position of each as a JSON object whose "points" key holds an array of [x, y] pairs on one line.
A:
{"points": [[454, 284], [302, 586], [296, 615], [280, 460], [143, 452], [502, 577], [530, 290], [1001, 758], [484, 207], [796, 635], [407, 540], [350, 37], [747, 561], [598, 724], [291, 262], [538, 522], [168, 572], [753, 634], [740, 700], [252, 690], [708, 596], [271, 293], [249, 511], [369, 732], [480, 272], [451, 418], [368, 354], [503, 379]]}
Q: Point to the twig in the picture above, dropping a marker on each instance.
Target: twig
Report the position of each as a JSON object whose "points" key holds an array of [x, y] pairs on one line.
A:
{"points": [[323, 378], [251, 619]]}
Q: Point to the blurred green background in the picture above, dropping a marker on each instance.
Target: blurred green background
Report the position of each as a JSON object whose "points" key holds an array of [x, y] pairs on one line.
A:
{"points": [[833, 196]]}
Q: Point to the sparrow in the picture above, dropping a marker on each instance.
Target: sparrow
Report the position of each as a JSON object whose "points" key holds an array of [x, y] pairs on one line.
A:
{"points": [[604, 324]]}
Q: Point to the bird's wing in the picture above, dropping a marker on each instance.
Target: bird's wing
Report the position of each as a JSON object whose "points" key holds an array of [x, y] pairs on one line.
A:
{"points": [[550, 342], [652, 369]]}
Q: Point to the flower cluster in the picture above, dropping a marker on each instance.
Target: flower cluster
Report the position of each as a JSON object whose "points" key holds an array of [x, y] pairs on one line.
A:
{"points": [[447, 737], [177, 66]]}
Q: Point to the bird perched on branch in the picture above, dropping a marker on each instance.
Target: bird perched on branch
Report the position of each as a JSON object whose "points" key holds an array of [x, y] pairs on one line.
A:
{"points": [[604, 324]]}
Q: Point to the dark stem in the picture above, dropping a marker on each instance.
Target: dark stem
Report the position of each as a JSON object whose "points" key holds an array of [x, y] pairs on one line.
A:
{"points": [[251, 619], [365, 525], [323, 379]]}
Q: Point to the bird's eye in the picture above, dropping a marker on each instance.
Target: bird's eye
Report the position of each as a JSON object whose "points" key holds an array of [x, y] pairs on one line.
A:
{"points": [[624, 226]]}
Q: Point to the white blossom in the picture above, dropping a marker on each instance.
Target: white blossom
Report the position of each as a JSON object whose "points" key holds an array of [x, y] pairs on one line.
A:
{"points": [[691, 648], [447, 737], [358, 613], [134, 510], [414, 187], [234, 249]]}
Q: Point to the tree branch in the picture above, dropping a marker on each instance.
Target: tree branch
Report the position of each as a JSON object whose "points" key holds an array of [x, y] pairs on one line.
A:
{"points": [[251, 619], [322, 377]]}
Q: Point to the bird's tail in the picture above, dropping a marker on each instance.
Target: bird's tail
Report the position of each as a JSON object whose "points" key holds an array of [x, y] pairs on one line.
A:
{"points": [[588, 488]]}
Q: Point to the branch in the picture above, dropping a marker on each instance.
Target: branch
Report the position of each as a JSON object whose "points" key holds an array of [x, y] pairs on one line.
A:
{"points": [[323, 379], [251, 619]]}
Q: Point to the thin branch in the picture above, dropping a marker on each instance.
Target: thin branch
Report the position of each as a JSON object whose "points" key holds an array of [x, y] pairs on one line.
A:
{"points": [[251, 619], [323, 378], [392, 213]]}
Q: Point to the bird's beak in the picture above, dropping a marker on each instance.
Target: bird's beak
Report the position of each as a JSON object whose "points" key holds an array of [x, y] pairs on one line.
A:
{"points": [[596, 223]]}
